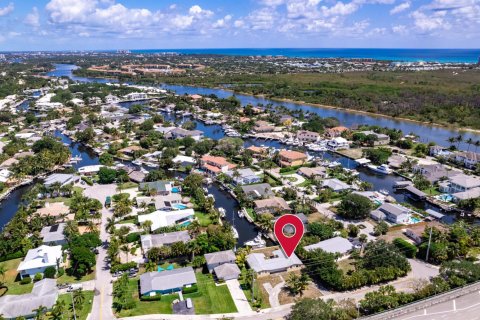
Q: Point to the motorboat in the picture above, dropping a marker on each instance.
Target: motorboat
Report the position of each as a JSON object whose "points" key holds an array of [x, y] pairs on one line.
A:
{"points": [[241, 214], [235, 233], [384, 192], [222, 212], [383, 169], [257, 242]]}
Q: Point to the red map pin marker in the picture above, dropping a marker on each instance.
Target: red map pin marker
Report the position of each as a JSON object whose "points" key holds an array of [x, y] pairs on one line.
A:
{"points": [[288, 243]]}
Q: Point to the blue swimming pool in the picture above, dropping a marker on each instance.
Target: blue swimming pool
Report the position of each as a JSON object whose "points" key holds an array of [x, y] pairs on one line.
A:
{"points": [[445, 197], [175, 190], [179, 206]]}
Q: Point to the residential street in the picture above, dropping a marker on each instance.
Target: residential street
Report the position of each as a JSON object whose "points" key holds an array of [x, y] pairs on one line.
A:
{"points": [[102, 301]]}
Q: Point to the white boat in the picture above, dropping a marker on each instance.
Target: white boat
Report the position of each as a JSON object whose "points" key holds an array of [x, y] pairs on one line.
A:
{"points": [[222, 212], [383, 169], [334, 164], [205, 190], [240, 213], [384, 192], [257, 242], [137, 162], [150, 164], [235, 233]]}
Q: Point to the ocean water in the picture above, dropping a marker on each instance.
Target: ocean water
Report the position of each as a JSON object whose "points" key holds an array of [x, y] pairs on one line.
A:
{"points": [[405, 55]]}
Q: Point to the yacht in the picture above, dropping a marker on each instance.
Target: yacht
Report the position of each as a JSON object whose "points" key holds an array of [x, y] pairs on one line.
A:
{"points": [[383, 169], [384, 192], [257, 242]]}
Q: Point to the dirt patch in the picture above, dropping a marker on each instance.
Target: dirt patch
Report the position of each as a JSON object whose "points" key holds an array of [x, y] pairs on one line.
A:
{"points": [[315, 217], [312, 291]]}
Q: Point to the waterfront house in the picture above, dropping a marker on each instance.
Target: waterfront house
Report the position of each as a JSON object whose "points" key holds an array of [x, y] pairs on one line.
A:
{"points": [[338, 143], [134, 96], [258, 152], [307, 136], [158, 187], [439, 151], [461, 183], [53, 235], [130, 150], [277, 262], [180, 133], [468, 158], [394, 213], [263, 126], [149, 241], [314, 173], [44, 293], [162, 202], [289, 158], [5, 174], [336, 185], [273, 205], [215, 165], [90, 170], [434, 172], [380, 138], [137, 176], [161, 218], [111, 99], [167, 281], [244, 176], [38, 259], [335, 131], [255, 191], [337, 245], [94, 101], [60, 178]]}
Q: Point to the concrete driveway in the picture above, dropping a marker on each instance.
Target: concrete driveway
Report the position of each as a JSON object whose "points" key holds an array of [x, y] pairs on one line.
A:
{"points": [[238, 296]]}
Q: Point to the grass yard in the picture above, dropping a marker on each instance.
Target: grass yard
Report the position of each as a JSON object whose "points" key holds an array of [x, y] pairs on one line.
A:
{"points": [[258, 290], [11, 279], [72, 279], [210, 298], [203, 219], [85, 309], [127, 185], [65, 200], [432, 191]]}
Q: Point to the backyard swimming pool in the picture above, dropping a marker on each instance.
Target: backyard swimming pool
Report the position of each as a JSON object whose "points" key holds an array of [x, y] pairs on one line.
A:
{"points": [[445, 197], [179, 206]]}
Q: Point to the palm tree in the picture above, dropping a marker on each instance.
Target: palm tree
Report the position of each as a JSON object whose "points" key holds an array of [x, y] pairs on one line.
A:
{"points": [[477, 144], [451, 140], [58, 310], [147, 226], [194, 228], [459, 139], [40, 312], [469, 142], [78, 299], [194, 248]]}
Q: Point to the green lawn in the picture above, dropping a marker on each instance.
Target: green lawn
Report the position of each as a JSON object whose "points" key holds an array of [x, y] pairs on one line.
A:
{"points": [[15, 287], [432, 191], [248, 292], [72, 279], [207, 300], [305, 183], [203, 219], [65, 200], [210, 298], [128, 185], [85, 309], [252, 214]]}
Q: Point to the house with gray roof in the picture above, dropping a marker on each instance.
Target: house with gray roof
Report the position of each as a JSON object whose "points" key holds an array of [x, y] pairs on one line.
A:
{"points": [[336, 185], [44, 293], [161, 202], [167, 281], [227, 271], [278, 262], [163, 239], [391, 212], [337, 245], [243, 176], [180, 133], [216, 259], [273, 205], [381, 139], [256, 191], [160, 187], [53, 235], [60, 178]]}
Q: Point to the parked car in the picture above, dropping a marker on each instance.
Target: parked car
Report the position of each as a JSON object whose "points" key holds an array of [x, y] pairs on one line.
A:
{"points": [[75, 287]]}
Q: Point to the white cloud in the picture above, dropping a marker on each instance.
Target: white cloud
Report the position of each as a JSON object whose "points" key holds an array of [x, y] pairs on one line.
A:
{"points": [[400, 29], [6, 10], [221, 23], [400, 8], [33, 18], [340, 8], [431, 22], [196, 10], [272, 3]]}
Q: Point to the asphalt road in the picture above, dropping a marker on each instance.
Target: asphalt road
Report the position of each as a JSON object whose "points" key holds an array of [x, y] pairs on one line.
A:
{"points": [[466, 307]]}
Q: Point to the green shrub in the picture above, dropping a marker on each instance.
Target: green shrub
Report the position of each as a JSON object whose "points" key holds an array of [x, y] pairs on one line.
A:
{"points": [[38, 277], [133, 237], [15, 255], [50, 272], [61, 272], [26, 280], [408, 249], [157, 297], [192, 289], [123, 267], [87, 181]]}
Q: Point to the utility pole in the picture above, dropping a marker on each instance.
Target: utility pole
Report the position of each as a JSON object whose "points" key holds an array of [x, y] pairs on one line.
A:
{"points": [[73, 304], [429, 242], [253, 285]]}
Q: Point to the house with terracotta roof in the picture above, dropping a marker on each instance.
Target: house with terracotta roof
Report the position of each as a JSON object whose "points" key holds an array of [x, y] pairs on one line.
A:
{"points": [[307, 136], [263, 126], [215, 165], [258, 152], [335, 131], [290, 158]]}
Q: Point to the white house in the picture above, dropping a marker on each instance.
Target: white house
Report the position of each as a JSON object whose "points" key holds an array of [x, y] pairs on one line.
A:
{"points": [[111, 99], [136, 96], [38, 259], [468, 158], [338, 143], [336, 245], [161, 218], [393, 213]]}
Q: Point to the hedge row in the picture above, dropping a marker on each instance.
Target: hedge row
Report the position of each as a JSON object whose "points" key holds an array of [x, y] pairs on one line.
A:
{"points": [[123, 267], [192, 289]]}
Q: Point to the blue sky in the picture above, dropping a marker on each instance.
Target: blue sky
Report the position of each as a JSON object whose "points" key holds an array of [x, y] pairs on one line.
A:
{"points": [[142, 24]]}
